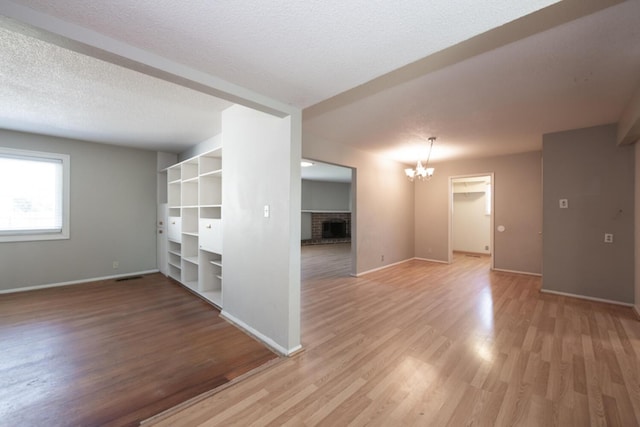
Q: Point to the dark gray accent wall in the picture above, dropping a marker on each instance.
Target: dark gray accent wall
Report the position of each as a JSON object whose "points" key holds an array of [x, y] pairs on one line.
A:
{"points": [[586, 167], [112, 217], [326, 196]]}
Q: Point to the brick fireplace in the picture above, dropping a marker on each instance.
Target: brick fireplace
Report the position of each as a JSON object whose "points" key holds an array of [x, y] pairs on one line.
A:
{"points": [[330, 228]]}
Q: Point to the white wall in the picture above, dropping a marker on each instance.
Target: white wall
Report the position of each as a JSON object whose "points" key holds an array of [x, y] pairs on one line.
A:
{"points": [[471, 226], [305, 226], [113, 216], [383, 214], [261, 256]]}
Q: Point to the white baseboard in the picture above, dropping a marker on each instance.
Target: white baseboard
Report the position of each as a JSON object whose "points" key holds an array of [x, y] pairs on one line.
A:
{"points": [[567, 294], [528, 273], [431, 260], [380, 268], [75, 282], [260, 336]]}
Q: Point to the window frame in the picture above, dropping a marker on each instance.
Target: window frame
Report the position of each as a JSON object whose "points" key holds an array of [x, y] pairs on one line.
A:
{"points": [[37, 235]]}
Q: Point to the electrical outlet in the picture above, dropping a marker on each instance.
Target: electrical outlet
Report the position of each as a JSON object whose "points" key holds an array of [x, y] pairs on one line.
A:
{"points": [[116, 265], [564, 203], [608, 238], [381, 258], [266, 211]]}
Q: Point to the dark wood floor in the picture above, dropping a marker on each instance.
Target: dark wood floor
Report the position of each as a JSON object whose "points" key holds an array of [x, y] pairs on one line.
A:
{"points": [[113, 353]]}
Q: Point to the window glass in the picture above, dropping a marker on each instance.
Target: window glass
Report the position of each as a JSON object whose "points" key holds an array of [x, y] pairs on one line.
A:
{"points": [[33, 195]]}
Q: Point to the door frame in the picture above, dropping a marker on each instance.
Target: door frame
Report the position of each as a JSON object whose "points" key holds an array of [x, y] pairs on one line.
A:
{"points": [[491, 220]]}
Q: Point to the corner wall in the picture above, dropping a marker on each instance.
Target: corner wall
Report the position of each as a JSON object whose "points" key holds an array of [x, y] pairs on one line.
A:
{"points": [[517, 206], [261, 255], [112, 218], [383, 213], [637, 228], [597, 177]]}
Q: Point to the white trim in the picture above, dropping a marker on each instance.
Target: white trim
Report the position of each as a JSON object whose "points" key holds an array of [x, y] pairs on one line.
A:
{"points": [[381, 268], [431, 260], [528, 273], [41, 235], [567, 294], [259, 336], [491, 221], [75, 282]]}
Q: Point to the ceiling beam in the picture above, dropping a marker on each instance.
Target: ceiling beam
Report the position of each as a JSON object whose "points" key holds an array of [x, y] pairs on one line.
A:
{"points": [[521, 28], [91, 43]]}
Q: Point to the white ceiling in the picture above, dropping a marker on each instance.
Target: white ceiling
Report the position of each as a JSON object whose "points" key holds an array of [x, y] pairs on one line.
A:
{"points": [[320, 171], [498, 97]]}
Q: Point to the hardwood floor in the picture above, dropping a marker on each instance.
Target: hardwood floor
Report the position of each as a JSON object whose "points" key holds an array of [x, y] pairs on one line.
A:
{"points": [[113, 353], [432, 344]]}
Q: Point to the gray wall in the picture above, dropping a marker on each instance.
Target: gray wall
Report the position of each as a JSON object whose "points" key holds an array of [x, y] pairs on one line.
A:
{"points": [[597, 177], [517, 206], [112, 218], [637, 227], [326, 196], [383, 212]]}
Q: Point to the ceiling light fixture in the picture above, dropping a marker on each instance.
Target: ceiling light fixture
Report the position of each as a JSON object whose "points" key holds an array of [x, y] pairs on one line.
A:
{"points": [[422, 172]]}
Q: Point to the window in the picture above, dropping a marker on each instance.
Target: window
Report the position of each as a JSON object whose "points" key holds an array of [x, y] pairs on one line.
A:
{"points": [[34, 195]]}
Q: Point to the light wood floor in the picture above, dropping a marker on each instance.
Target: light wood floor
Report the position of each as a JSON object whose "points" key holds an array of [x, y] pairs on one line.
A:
{"points": [[113, 353], [431, 344]]}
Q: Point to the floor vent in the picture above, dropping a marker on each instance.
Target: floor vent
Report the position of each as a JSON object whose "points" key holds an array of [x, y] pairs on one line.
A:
{"points": [[122, 279]]}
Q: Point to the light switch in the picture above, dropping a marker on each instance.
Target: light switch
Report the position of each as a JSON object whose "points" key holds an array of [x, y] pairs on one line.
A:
{"points": [[266, 211], [608, 238], [564, 203]]}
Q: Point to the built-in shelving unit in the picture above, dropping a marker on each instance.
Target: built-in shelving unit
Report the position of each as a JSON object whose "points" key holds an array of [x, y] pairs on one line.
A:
{"points": [[194, 193]]}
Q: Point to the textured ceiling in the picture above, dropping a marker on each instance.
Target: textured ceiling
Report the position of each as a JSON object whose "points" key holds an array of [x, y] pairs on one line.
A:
{"points": [[299, 52], [50, 90], [485, 80], [579, 74]]}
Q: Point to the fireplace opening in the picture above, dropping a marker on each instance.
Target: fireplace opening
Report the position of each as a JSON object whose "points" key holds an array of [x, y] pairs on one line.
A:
{"points": [[334, 229]]}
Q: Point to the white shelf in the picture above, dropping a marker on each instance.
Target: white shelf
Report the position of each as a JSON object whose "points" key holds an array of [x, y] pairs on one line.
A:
{"points": [[191, 259], [213, 296], [212, 173], [194, 194], [191, 285]]}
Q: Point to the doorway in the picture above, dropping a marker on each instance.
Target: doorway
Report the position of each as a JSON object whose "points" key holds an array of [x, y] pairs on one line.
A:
{"points": [[328, 212], [471, 215]]}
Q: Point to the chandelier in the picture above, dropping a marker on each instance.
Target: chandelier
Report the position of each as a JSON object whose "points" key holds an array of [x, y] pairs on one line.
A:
{"points": [[422, 172]]}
